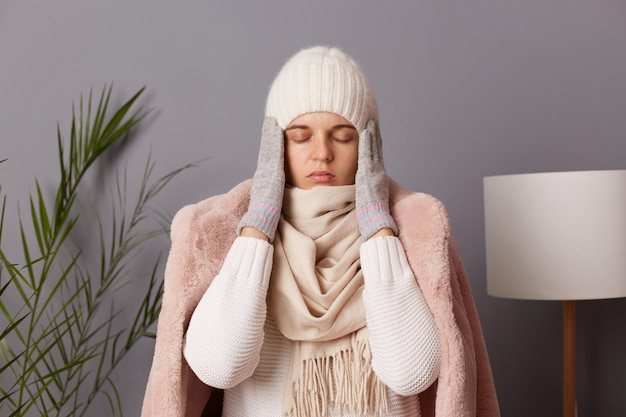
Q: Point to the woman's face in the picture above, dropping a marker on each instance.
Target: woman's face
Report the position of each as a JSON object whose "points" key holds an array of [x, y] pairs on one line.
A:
{"points": [[320, 149]]}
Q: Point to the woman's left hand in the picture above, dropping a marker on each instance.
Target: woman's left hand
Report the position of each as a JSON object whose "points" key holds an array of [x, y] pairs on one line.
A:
{"points": [[372, 185]]}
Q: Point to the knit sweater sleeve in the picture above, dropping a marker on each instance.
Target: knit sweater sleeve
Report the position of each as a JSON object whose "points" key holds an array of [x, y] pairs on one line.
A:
{"points": [[225, 333], [403, 335]]}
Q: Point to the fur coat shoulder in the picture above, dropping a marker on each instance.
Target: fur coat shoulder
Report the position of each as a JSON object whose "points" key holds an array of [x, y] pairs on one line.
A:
{"points": [[201, 236]]}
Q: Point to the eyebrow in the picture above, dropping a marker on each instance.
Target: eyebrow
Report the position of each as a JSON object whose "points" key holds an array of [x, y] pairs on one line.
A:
{"points": [[340, 126]]}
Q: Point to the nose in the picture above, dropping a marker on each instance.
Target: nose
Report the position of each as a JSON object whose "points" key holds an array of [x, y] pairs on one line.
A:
{"points": [[322, 150]]}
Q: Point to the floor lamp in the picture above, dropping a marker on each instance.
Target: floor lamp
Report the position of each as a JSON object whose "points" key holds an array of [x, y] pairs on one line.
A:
{"points": [[557, 236]]}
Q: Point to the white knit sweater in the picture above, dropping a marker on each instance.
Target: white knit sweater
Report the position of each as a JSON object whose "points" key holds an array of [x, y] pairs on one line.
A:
{"points": [[232, 344]]}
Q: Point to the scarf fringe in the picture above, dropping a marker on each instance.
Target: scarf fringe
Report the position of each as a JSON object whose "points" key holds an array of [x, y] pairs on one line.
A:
{"points": [[345, 380]]}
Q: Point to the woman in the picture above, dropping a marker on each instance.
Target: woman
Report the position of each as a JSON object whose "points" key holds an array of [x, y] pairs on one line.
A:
{"points": [[316, 309]]}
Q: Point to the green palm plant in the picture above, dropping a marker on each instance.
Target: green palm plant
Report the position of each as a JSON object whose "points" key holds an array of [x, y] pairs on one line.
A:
{"points": [[64, 335]]}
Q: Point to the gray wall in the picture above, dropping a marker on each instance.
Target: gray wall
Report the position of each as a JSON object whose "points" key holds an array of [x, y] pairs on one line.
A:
{"points": [[466, 89]]}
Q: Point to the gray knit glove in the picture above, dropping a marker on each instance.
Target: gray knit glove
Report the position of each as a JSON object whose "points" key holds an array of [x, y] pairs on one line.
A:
{"points": [[268, 183], [372, 185]]}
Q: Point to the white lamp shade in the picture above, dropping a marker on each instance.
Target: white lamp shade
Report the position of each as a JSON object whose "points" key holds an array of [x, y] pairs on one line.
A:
{"points": [[556, 236]]}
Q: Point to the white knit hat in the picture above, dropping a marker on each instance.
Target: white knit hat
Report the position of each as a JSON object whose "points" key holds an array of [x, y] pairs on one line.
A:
{"points": [[321, 79]]}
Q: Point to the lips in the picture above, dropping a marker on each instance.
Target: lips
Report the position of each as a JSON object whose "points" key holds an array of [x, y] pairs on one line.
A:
{"points": [[321, 177]]}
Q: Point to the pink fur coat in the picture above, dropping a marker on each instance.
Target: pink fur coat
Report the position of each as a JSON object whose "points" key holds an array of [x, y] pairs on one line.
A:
{"points": [[201, 236]]}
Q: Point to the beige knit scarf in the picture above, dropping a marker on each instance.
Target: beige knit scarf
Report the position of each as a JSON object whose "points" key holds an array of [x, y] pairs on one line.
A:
{"points": [[315, 298]]}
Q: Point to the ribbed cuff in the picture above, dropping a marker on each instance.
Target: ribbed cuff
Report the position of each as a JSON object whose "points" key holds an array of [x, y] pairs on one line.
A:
{"points": [[374, 217], [249, 257], [383, 260], [262, 217]]}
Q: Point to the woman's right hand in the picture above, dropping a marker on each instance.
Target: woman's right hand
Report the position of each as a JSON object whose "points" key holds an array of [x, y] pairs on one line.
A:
{"points": [[268, 184], [252, 232]]}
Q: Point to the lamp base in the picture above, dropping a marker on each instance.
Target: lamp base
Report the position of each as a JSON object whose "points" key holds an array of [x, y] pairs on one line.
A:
{"points": [[569, 358]]}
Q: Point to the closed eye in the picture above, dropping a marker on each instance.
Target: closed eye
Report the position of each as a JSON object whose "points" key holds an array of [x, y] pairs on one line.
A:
{"points": [[343, 139], [299, 139], [298, 134], [344, 134]]}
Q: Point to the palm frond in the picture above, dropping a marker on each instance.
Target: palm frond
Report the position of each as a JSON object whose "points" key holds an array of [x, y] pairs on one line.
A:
{"points": [[64, 339]]}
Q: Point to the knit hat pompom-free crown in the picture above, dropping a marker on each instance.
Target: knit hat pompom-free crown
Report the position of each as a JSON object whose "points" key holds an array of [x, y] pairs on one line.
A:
{"points": [[321, 79]]}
